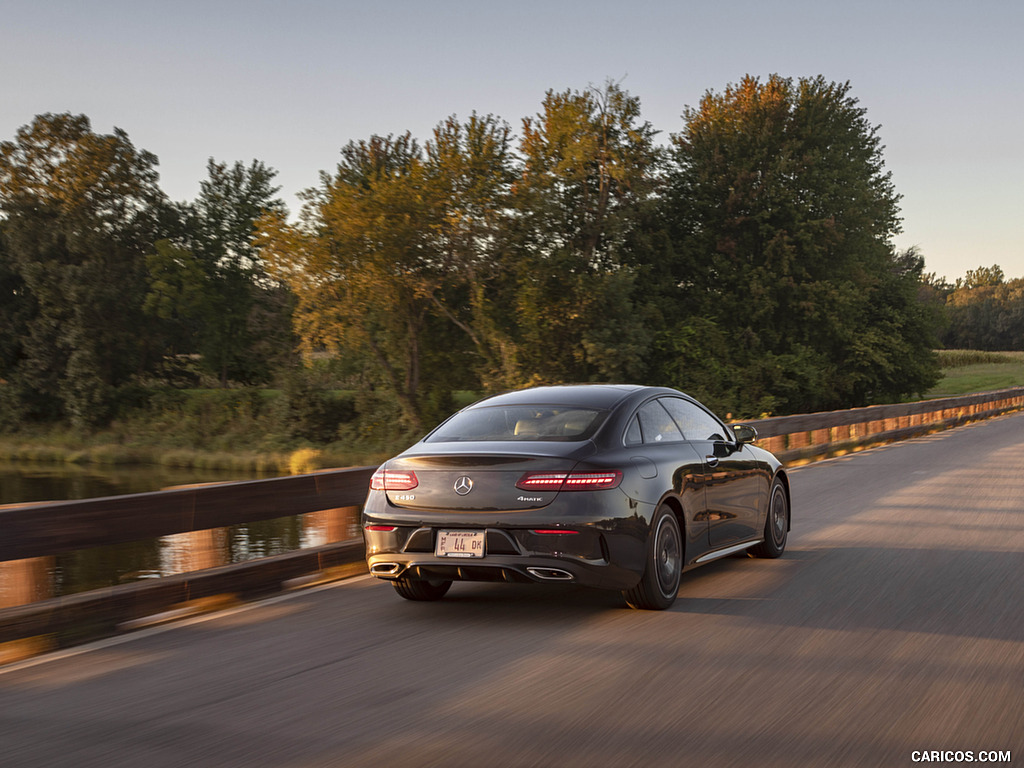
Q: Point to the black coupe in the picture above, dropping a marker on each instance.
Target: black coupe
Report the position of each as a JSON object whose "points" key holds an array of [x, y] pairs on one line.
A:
{"points": [[610, 486]]}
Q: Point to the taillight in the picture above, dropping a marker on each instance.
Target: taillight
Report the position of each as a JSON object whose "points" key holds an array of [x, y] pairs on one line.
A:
{"points": [[382, 528], [569, 481], [393, 480], [590, 481], [541, 481]]}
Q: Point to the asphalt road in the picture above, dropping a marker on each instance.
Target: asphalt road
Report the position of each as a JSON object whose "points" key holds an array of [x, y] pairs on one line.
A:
{"points": [[893, 624]]}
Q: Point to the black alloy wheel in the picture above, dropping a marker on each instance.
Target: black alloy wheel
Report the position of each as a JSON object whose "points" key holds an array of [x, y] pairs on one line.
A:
{"points": [[776, 526], [659, 585]]}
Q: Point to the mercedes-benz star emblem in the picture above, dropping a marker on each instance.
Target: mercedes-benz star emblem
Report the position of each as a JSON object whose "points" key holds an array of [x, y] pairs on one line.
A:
{"points": [[463, 485]]}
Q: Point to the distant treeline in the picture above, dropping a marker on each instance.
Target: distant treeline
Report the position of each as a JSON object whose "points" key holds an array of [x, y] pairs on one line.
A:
{"points": [[748, 260], [983, 310]]}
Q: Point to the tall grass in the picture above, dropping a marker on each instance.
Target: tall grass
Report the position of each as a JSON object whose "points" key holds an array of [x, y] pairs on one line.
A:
{"points": [[238, 430], [958, 358], [966, 371]]}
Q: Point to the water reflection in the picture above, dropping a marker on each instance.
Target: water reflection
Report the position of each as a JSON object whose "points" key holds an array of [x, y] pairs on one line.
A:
{"points": [[23, 481], [28, 580]]}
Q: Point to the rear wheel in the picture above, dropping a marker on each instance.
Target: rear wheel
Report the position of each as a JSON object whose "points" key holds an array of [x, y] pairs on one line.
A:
{"points": [[657, 588], [776, 527], [421, 589]]}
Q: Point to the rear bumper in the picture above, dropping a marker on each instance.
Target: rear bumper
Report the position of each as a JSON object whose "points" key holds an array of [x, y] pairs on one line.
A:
{"points": [[595, 555], [516, 570], [593, 539]]}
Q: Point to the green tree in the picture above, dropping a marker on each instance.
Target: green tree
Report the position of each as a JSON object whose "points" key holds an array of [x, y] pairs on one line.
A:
{"points": [[177, 294], [589, 166], [80, 209], [470, 169], [780, 216], [221, 228], [980, 277], [397, 263], [364, 266], [17, 307], [986, 312], [208, 284]]}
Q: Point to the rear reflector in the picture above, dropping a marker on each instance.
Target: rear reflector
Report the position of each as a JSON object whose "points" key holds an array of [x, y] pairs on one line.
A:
{"points": [[393, 480], [569, 481], [382, 528], [552, 531]]}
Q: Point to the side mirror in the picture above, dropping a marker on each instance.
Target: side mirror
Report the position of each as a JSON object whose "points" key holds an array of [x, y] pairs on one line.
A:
{"points": [[744, 433]]}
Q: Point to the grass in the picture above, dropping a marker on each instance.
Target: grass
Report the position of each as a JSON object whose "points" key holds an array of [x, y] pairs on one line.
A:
{"points": [[238, 430], [193, 436], [967, 371], [278, 463]]}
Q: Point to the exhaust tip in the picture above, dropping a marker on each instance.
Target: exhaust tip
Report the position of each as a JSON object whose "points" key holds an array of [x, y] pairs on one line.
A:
{"points": [[550, 574], [384, 569]]}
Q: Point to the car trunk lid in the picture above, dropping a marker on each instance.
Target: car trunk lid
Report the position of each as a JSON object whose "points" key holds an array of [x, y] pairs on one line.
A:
{"points": [[474, 482]]}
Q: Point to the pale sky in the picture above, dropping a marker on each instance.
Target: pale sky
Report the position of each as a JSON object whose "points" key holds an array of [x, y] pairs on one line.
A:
{"points": [[291, 82]]}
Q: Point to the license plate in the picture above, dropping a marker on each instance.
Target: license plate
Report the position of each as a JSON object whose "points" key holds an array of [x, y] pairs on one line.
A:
{"points": [[460, 544]]}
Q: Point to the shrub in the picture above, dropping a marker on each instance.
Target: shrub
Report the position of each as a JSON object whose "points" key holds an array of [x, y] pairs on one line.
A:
{"points": [[303, 461], [308, 412]]}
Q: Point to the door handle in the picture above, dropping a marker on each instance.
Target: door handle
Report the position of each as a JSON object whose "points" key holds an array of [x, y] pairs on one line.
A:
{"points": [[712, 461]]}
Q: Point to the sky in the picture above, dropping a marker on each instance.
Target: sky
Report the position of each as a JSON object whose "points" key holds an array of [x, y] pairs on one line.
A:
{"points": [[290, 83]]}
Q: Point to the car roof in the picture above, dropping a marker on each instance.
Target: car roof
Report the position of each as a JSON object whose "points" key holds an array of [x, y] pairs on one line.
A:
{"points": [[600, 396]]}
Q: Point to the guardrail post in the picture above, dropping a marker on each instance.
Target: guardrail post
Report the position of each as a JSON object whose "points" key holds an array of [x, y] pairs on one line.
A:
{"points": [[23, 582], [195, 550], [328, 526], [799, 439]]}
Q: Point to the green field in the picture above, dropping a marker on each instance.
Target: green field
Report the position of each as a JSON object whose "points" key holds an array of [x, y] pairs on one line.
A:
{"points": [[967, 371]]}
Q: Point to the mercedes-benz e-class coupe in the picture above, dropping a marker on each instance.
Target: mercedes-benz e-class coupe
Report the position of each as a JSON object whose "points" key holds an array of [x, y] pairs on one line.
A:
{"points": [[609, 486]]}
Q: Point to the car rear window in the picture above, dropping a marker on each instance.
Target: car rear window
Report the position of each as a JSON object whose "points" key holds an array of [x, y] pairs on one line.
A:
{"points": [[520, 423]]}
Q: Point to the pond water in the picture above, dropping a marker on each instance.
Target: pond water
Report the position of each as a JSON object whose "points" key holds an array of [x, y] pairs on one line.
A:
{"points": [[39, 481], [116, 564]]}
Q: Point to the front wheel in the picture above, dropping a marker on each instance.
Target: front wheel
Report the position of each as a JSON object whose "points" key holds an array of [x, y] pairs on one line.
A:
{"points": [[421, 589], [659, 585], [776, 527]]}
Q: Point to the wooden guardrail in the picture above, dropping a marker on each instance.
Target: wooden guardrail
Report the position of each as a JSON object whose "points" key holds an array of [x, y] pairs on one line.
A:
{"points": [[815, 435], [33, 531]]}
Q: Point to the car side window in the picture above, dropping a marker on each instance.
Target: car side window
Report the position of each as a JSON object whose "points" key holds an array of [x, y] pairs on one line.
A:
{"points": [[656, 426], [695, 422]]}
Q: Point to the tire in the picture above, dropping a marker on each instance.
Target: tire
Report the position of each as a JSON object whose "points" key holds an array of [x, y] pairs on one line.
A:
{"points": [[776, 524], [659, 585], [421, 589]]}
